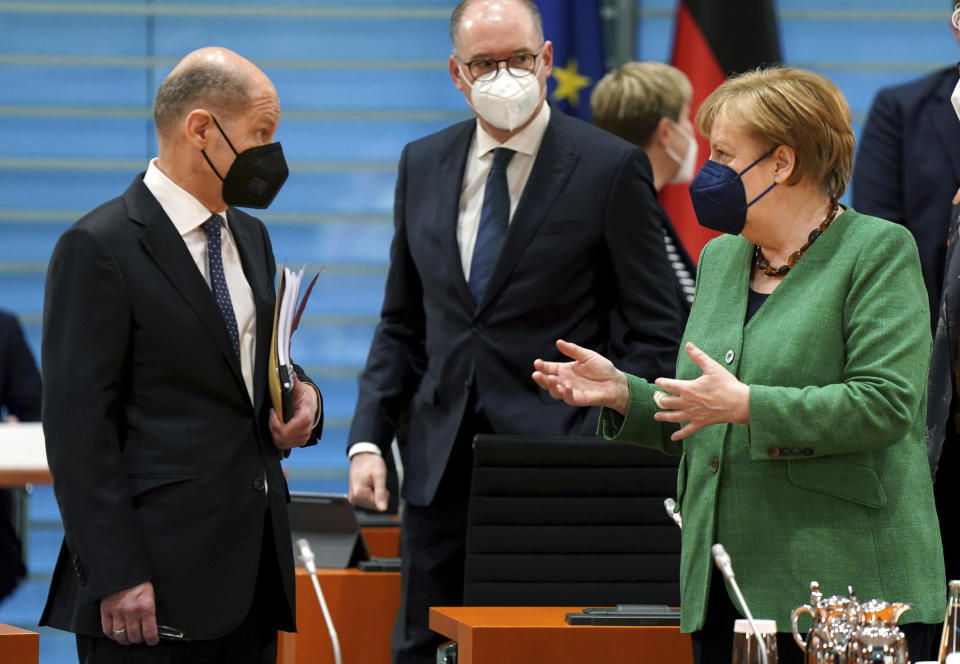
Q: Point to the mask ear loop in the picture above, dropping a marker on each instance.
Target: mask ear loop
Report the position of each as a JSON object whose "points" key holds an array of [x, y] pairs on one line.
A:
{"points": [[463, 74], [227, 139], [759, 159], [683, 132], [762, 194]]}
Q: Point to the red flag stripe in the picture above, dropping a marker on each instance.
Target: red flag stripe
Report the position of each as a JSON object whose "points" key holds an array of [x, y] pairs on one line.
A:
{"points": [[691, 55]]}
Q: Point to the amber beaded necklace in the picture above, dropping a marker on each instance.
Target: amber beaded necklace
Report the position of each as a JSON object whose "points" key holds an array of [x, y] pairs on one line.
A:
{"points": [[764, 266]]}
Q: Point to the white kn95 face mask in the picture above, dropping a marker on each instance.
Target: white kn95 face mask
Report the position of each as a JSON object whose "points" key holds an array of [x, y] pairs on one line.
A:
{"points": [[507, 101]]}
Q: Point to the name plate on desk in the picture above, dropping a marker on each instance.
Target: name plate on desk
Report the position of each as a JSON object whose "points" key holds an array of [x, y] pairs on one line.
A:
{"points": [[626, 614]]}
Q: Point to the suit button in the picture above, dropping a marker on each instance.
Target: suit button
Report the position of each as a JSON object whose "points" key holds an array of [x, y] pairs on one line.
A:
{"points": [[714, 464], [477, 328], [728, 358], [466, 386], [259, 484], [773, 452]]}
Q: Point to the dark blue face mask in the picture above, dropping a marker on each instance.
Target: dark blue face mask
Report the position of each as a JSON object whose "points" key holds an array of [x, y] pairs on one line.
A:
{"points": [[719, 198]]}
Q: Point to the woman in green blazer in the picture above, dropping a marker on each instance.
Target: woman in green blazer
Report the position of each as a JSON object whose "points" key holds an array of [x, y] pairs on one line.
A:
{"points": [[799, 404]]}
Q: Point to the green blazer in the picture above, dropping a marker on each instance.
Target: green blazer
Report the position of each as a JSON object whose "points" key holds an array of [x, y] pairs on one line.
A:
{"points": [[829, 481]]}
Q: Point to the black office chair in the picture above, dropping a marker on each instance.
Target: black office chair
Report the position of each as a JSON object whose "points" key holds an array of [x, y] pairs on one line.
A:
{"points": [[556, 521]]}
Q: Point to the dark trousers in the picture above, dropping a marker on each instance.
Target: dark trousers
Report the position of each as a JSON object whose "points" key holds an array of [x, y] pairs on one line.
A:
{"points": [[714, 643], [432, 547], [11, 555], [253, 641], [944, 492]]}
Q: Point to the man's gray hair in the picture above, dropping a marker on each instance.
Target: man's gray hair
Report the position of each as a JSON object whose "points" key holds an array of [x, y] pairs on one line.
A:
{"points": [[201, 84], [456, 19]]}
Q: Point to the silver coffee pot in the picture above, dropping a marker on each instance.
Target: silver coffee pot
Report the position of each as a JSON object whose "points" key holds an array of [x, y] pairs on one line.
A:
{"points": [[877, 637], [834, 621]]}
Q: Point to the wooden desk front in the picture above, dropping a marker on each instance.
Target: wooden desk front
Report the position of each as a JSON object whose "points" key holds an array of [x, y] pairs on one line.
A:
{"points": [[519, 635], [382, 541], [18, 646], [23, 457], [363, 606]]}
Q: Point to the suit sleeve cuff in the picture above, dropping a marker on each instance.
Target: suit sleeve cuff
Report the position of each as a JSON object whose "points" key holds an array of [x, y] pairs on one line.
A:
{"points": [[319, 414], [357, 448]]}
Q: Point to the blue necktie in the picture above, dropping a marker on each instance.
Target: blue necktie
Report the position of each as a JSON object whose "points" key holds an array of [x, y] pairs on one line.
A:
{"points": [[494, 217], [218, 281]]}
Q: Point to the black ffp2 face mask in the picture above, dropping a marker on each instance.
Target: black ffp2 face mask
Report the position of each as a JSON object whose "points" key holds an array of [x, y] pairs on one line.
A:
{"points": [[255, 176]]}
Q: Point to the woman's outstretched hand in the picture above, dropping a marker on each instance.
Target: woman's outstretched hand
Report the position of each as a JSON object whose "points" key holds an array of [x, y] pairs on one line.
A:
{"points": [[589, 380], [713, 398]]}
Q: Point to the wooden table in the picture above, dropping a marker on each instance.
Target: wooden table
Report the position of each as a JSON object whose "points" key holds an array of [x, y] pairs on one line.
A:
{"points": [[382, 541], [18, 646], [363, 606], [519, 635], [23, 457]]}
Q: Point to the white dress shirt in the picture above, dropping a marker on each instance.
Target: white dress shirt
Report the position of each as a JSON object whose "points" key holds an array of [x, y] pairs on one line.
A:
{"points": [[188, 215], [526, 144]]}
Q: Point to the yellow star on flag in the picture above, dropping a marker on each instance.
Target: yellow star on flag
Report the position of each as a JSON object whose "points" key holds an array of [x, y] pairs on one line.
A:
{"points": [[569, 83]]}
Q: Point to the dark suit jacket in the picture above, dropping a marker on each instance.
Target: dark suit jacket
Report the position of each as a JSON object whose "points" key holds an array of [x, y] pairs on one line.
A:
{"points": [[19, 378], [908, 167], [20, 396], [583, 260], [943, 359], [157, 454]]}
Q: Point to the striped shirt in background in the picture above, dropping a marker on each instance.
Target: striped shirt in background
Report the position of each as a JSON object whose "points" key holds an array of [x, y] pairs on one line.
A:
{"points": [[683, 274]]}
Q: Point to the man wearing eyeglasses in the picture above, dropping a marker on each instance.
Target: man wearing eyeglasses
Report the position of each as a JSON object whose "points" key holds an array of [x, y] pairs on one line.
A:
{"points": [[512, 230]]}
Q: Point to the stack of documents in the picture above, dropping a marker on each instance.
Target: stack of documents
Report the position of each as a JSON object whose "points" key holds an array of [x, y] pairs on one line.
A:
{"points": [[286, 318]]}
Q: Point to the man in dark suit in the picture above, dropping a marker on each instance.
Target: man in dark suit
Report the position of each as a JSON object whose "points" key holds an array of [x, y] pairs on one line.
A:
{"points": [[164, 450], [908, 168], [943, 404], [512, 230], [19, 402]]}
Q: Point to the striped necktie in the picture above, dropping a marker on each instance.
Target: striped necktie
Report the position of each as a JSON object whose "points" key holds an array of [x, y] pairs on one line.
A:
{"points": [[218, 280]]}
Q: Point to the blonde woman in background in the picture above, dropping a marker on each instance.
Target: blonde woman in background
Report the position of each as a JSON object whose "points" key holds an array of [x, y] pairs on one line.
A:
{"points": [[648, 104]]}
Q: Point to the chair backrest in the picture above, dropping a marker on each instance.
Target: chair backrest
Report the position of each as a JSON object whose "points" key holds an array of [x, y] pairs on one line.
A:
{"points": [[565, 521]]}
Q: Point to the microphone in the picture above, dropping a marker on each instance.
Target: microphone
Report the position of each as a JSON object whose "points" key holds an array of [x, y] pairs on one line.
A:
{"points": [[670, 504], [306, 555], [722, 559]]}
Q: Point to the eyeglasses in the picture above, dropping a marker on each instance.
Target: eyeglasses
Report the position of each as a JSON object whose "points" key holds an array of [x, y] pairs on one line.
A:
{"points": [[487, 69]]}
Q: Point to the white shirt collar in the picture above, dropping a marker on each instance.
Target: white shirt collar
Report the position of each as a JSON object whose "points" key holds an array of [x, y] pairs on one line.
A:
{"points": [[184, 210], [526, 141]]}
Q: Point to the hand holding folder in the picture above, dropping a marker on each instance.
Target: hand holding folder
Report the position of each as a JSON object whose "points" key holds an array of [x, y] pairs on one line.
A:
{"points": [[286, 319]]}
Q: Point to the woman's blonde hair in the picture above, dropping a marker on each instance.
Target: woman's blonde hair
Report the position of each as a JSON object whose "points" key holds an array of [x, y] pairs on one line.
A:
{"points": [[631, 99], [792, 107]]}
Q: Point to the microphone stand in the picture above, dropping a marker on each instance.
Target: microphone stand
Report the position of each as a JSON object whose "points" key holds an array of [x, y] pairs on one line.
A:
{"points": [[670, 504], [722, 559], [306, 555]]}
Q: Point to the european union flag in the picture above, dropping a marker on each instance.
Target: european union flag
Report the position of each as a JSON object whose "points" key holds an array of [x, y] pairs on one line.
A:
{"points": [[578, 58]]}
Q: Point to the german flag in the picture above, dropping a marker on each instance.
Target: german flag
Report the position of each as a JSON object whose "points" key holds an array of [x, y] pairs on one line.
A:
{"points": [[715, 40]]}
